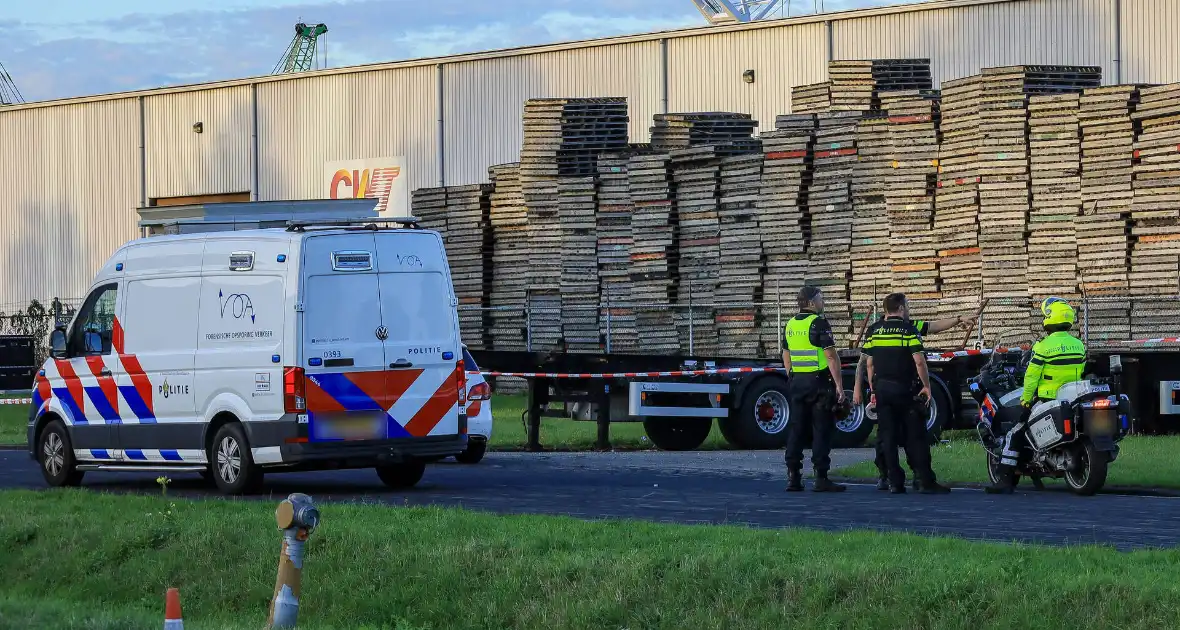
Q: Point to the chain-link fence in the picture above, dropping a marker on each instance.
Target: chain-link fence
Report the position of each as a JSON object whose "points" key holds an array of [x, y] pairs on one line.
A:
{"points": [[37, 319]]}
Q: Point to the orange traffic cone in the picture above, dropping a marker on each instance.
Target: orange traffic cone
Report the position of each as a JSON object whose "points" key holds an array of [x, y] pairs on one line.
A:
{"points": [[172, 618]]}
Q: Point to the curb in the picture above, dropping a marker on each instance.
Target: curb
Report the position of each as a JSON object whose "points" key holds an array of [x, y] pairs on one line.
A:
{"points": [[1132, 491], [14, 447]]}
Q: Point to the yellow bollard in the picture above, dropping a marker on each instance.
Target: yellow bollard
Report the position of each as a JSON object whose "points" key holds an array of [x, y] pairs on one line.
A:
{"points": [[297, 517]]}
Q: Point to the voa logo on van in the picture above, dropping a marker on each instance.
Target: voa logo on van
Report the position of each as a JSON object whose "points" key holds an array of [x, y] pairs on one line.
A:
{"points": [[426, 350], [167, 390]]}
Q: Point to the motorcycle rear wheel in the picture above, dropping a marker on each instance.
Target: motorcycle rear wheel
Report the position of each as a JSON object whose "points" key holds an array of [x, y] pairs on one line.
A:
{"points": [[1090, 474]]}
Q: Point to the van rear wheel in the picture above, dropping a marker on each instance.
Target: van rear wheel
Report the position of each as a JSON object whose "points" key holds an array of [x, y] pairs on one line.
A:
{"points": [[402, 476], [232, 466]]}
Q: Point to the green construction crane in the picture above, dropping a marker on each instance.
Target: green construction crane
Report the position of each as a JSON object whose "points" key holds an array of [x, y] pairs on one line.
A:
{"points": [[300, 55]]}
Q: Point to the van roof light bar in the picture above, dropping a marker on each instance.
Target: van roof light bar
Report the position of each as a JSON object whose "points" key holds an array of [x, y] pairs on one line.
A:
{"points": [[365, 222]]}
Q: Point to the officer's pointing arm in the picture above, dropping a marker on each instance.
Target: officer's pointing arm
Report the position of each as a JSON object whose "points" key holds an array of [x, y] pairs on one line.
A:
{"points": [[944, 325]]}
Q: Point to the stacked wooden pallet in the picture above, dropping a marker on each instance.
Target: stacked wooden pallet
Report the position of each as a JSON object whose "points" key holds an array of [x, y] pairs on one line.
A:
{"points": [[579, 264], [430, 206], [469, 252], [829, 204], [562, 138], [1055, 161], [1155, 212], [856, 84], [783, 223], [510, 259], [871, 265], [1004, 192], [695, 175], [1108, 140], [956, 202], [740, 277], [681, 131], [811, 99], [909, 193], [654, 259], [617, 320]]}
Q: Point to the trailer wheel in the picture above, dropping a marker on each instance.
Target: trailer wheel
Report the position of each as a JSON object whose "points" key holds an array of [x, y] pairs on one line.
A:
{"points": [[853, 429], [677, 434], [760, 421]]}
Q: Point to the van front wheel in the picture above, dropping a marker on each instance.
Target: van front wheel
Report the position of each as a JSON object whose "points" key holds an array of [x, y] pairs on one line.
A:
{"points": [[233, 468], [56, 456]]}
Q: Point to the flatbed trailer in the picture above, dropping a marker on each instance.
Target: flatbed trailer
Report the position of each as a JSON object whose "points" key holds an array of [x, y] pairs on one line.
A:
{"points": [[677, 398]]}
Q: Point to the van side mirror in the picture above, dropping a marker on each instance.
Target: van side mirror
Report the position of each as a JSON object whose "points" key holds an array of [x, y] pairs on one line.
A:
{"points": [[93, 342], [57, 343]]}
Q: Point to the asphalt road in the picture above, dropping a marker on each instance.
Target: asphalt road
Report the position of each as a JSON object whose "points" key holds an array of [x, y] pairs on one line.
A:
{"points": [[730, 488]]}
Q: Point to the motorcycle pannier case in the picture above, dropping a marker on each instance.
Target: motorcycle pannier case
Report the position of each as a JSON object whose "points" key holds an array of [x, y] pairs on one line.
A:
{"points": [[1047, 424]]}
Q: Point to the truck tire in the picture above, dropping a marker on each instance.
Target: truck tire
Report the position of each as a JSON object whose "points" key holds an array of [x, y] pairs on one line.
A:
{"points": [[677, 434], [760, 420], [853, 429]]}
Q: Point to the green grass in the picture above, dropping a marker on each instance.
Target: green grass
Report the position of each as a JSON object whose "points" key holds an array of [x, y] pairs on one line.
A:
{"points": [[508, 432], [1145, 461], [76, 559], [14, 420]]}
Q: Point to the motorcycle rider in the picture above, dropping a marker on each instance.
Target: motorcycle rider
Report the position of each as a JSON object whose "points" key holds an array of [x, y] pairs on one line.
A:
{"points": [[924, 328], [1057, 359]]}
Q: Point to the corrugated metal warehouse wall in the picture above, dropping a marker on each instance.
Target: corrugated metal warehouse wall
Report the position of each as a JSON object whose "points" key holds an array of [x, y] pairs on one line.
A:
{"points": [[181, 162], [73, 168], [484, 99], [71, 175], [303, 123]]}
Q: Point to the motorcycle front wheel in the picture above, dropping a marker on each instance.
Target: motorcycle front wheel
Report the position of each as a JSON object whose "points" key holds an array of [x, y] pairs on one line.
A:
{"points": [[1089, 472], [993, 471]]}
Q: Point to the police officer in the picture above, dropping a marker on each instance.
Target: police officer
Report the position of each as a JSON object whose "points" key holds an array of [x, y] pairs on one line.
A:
{"points": [[814, 368], [1057, 359], [896, 360], [924, 328]]}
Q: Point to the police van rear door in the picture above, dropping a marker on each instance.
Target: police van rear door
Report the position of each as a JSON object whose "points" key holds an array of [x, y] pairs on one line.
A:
{"points": [[344, 340], [423, 351]]}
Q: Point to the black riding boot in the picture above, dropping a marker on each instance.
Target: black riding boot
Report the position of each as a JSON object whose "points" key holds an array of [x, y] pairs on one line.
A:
{"points": [[794, 481], [1005, 484], [823, 484]]}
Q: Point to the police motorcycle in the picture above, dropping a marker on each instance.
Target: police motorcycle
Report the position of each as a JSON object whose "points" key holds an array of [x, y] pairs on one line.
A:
{"points": [[1075, 436]]}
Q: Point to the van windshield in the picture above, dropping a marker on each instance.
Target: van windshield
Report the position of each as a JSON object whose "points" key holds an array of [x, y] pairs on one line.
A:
{"points": [[417, 306]]}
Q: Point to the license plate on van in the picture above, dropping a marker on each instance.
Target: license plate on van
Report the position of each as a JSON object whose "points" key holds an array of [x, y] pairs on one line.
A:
{"points": [[349, 427]]}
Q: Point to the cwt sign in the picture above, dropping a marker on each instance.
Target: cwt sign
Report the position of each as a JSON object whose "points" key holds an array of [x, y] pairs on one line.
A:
{"points": [[382, 179]]}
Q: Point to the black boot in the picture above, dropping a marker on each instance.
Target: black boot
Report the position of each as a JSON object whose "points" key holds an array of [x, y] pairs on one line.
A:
{"points": [[934, 487], [823, 484], [1003, 485], [794, 481]]}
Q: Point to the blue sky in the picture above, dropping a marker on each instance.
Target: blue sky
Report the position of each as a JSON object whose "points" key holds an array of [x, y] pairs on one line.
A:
{"points": [[63, 48]]}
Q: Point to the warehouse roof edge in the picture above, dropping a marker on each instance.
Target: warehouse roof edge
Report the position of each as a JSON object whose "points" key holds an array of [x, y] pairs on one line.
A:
{"points": [[695, 31]]}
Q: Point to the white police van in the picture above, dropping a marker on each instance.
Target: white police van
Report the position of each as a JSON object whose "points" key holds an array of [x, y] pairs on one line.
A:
{"points": [[233, 353]]}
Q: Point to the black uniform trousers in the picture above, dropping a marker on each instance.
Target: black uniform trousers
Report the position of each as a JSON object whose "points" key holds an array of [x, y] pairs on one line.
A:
{"points": [[812, 396], [896, 419]]}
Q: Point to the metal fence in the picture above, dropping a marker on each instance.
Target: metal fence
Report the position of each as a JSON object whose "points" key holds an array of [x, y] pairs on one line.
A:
{"points": [[1102, 322]]}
